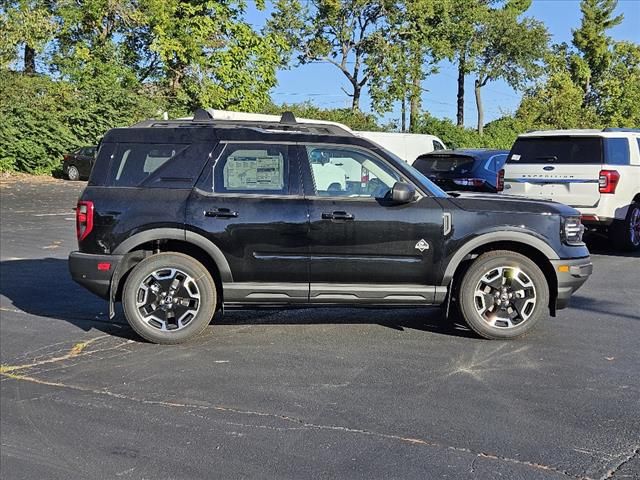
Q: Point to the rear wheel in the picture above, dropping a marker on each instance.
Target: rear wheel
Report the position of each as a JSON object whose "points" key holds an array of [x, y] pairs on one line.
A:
{"points": [[169, 298], [73, 173], [503, 295], [625, 234]]}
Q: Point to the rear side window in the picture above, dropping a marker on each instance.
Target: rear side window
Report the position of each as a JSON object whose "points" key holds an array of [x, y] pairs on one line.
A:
{"points": [[557, 150], [616, 151], [133, 163], [430, 164], [437, 145], [252, 168]]}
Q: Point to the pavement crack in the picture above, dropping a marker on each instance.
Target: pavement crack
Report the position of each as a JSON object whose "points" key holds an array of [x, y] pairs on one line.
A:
{"points": [[77, 350], [302, 424], [627, 458]]}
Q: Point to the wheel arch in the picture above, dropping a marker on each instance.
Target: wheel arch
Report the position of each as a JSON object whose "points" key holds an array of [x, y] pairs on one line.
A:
{"points": [[138, 246], [530, 246]]}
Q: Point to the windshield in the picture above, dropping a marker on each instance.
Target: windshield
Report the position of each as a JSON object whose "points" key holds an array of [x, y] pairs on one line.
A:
{"points": [[427, 184]]}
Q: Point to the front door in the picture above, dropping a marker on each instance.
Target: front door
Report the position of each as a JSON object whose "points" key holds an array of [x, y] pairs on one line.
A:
{"points": [[248, 203], [363, 247]]}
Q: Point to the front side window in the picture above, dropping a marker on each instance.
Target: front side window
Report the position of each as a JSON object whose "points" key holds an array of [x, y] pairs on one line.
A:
{"points": [[252, 168], [349, 172], [437, 145]]}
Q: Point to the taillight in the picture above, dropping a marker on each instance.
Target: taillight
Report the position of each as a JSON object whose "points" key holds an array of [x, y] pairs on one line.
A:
{"points": [[500, 180], [84, 219], [469, 182], [608, 181], [364, 177]]}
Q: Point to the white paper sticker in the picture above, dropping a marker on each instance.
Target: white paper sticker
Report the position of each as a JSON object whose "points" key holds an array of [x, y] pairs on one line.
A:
{"points": [[515, 156]]}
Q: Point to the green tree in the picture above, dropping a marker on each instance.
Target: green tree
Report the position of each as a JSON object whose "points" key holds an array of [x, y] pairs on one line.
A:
{"points": [[25, 27], [594, 45], [508, 48], [342, 32], [403, 53]]}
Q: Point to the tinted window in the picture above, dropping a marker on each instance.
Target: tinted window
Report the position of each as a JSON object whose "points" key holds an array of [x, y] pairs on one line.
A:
{"points": [[496, 162], [431, 164], [346, 172], [133, 163], [558, 150], [252, 168], [437, 145], [616, 151]]}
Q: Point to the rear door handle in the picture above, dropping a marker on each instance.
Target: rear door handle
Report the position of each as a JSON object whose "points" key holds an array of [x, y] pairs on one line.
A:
{"points": [[337, 216], [221, 213]]}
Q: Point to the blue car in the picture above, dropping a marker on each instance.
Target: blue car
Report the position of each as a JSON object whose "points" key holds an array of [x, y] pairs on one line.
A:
{"points": [[463, 169]]}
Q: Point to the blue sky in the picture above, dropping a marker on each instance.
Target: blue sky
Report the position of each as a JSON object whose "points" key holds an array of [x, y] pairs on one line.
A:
{"points": [[321, 83]]}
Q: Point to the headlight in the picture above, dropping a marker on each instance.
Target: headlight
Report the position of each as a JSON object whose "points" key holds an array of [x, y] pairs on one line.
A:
{"points": [[572, 230]]}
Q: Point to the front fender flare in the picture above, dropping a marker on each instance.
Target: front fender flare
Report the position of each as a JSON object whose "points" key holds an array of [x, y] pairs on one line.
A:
{"points": [[492, 237]]}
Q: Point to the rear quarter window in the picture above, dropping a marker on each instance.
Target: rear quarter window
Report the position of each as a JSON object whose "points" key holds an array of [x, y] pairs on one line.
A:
{"points": [[616, 151], [557, 150], [168, 165]]}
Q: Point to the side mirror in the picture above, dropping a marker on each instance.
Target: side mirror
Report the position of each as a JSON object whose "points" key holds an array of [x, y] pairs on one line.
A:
{"points": [[402, 192]]}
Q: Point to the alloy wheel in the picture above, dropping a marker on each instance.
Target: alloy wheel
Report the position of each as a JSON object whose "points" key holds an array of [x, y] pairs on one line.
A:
{"points": [[505, 297], [168, 299]]}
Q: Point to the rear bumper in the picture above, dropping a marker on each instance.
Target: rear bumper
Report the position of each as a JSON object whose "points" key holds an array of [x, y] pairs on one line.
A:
{"points": [[84, 270], [571, 275]]}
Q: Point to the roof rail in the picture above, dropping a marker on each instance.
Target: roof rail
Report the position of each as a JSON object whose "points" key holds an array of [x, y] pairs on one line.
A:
{"points": [[622, 129], [269, 123]]}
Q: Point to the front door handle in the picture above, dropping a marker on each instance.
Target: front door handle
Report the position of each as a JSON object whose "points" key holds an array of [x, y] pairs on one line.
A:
{"points": [[221, 213], [337, 216]]}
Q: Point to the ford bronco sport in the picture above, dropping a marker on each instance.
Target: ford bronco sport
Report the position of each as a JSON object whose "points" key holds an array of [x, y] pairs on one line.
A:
{"points": [[182, 218]]}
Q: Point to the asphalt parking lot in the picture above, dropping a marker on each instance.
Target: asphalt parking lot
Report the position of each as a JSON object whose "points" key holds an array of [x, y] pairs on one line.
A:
{"points": [[322, 393]]}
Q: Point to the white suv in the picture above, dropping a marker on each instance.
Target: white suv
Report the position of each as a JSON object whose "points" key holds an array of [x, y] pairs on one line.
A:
{"points": [[594, 171]]}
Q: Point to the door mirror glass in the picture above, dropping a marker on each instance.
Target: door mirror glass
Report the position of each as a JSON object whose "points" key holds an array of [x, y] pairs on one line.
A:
{"points": [[403, 192]]}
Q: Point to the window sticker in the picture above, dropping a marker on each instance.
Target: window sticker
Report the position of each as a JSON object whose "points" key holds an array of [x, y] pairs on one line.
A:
{"points": [[254, 172], [515, 157]]}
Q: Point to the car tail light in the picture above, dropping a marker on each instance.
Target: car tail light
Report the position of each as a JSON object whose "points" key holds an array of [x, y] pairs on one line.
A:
{"points": [[364, 176], [469, 182], [500, 180], [84, 219], [608, 181]]}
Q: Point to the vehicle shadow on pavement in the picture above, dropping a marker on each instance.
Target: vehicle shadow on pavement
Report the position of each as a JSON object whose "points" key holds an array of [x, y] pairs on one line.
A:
{"points": [[44, 288], [601, 245]]}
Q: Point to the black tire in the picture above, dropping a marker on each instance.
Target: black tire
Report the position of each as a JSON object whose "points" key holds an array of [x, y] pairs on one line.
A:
{"points": [[473, 295], [196, 289], [625, 234], [73, 173]]}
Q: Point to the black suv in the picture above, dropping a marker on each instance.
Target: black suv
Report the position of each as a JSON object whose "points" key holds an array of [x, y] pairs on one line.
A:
{"points": [[183, 218]]}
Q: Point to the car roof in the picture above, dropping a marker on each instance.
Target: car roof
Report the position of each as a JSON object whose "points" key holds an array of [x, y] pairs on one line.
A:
{"points": [[468, 152], [586, 132]]}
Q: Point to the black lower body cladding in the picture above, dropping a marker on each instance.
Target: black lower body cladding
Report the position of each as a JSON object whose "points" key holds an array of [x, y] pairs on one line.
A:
{"points": [[571, 275], [94, 272]]}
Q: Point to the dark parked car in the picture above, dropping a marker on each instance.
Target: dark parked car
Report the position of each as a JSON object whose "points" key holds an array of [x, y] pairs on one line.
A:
{"points": [[464, 170], [183, 218], [78, 164]]}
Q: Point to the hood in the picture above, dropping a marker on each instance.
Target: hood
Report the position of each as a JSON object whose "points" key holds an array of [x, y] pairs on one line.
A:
{"points": [[484, 202]]}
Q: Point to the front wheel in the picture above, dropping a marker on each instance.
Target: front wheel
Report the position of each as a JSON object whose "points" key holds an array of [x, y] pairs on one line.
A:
{"points": [[503, 295], [169, 298]]}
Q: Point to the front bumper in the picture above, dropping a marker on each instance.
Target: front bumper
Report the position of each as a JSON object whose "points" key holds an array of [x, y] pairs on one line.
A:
{"points": [[84, 270], [571, 275]]}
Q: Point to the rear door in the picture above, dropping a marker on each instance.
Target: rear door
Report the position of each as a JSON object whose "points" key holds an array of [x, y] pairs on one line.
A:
{"points": [[248, 202], [560, 168]]}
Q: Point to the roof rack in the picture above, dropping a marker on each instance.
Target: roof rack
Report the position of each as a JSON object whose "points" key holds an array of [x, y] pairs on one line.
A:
{"points": [[268, 123], [625, 130]]}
